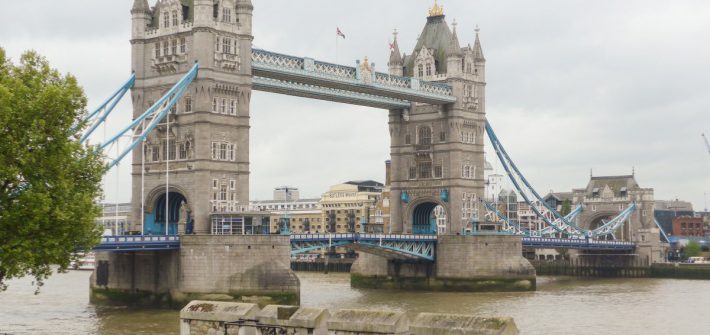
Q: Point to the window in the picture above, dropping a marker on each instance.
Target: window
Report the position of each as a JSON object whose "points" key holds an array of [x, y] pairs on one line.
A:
{"points": [[407, 139], [171, 151], [182, 152], [428, 69], [232, 184], [173, 48], [424, 135], [223, 151], [424, 170], [157, 49], [216, 47], [437, 171], [166, 20], [466, 172], [214, 105], [227, 14], [442, 136], [227, 45], [463, 64], [188, 104], [156, 153], [232, 107], [215, 150], [223, 106], [183, 46], [421, 70], [175, 18], [165, 48], [223, 192]]}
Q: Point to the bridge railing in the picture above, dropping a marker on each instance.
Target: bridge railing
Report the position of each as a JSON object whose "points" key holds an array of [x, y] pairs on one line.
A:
{"points": [[139, 238]]}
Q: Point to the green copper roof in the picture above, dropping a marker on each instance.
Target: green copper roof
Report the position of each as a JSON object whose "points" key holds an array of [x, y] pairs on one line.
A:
{"points": [[435, 35]]}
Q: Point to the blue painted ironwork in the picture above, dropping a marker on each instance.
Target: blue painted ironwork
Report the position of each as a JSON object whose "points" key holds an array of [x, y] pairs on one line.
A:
{"points": [[138, 242], [514, 227], [107, 107], [271, 65], [444, 195], [404, 196], [167, 102], [508, 165], [576, 243], [663, 232], [612, 225], [411, 246]]}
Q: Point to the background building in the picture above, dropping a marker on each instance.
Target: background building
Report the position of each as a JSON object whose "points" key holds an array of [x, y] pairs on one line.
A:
{"points": [[115, 217]]}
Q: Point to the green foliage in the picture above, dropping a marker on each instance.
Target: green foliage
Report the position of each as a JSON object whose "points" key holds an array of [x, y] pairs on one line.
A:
{"points": [[566, 207], [48, 180], [692, 249]]}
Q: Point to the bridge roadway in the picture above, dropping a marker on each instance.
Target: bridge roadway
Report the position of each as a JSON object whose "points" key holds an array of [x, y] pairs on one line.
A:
{"points": [[400, 246]]}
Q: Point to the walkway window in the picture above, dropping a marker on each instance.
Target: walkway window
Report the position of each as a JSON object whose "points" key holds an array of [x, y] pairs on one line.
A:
{"points": [[424, 135]]}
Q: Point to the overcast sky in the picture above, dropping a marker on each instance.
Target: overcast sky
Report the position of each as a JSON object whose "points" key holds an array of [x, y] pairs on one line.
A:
{"points": [[572, 85]]}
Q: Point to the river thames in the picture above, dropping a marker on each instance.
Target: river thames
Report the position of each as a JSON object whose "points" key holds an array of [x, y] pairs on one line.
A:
{"points": [[559, 306]]}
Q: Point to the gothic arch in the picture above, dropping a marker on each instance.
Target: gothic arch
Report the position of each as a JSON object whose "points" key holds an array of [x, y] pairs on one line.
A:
{"points": [[152, 196]]}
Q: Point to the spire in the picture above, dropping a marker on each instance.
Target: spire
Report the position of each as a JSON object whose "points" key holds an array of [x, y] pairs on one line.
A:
{"points": [[140, 6], [454, 48], [395, 55], [477, 50]]}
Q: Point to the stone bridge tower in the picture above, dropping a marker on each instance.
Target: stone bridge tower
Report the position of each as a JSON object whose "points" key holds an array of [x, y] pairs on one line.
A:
{"points": [[204, 144], [437, 151]]}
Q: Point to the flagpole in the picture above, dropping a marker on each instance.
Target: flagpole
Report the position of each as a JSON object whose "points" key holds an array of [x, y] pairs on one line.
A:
{"points": [[336, 47]]}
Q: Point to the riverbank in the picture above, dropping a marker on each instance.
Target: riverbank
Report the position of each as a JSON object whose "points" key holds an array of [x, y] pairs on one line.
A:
{"points": [[578, 268]]}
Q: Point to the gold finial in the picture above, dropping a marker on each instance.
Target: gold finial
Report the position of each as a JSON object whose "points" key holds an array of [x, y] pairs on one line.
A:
{"points": [[436, 10]]}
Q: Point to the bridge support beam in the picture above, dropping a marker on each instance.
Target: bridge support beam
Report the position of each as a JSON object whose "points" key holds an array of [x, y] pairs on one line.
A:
{"points": [[241, 268], [463, 263]]}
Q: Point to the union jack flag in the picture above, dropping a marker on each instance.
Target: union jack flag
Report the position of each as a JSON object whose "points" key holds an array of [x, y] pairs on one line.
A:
{"points": [[339, 33]]}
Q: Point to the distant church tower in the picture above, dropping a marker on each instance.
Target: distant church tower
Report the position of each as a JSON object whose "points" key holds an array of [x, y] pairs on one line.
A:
{"points": [[206, 149], [437, 151]]}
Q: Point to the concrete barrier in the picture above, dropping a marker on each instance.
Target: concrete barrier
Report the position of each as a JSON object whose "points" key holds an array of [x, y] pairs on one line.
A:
{"points": [[208, 318]]}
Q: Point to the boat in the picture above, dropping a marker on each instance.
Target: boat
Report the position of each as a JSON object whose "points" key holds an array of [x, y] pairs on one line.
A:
{"points": [[85, 262]]}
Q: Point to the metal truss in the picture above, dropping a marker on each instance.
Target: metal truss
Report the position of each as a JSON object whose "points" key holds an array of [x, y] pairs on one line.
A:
{"points": [[407, 246], [325, 93], [304, 70], [157, 112], [517, 178], [576, 243], [609, 227], [107, 107]]}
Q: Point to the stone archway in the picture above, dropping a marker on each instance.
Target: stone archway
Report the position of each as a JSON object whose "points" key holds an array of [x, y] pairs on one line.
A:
{"points": [[599, 219], [426, 216], [159, 215]]}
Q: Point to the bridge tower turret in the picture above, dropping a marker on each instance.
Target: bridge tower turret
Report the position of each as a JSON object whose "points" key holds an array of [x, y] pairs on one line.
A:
{"points": [[437, 151], [204, 141], [395, 63]]}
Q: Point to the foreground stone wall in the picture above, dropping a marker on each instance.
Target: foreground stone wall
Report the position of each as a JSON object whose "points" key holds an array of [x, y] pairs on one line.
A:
{"points": [[463, 263], [208, 317]]}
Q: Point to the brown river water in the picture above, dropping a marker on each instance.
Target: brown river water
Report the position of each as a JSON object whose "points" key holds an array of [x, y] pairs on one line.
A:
{"points": [[559, 306]]}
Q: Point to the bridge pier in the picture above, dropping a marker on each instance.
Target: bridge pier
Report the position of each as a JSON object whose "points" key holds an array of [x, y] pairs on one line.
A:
{"points": [[463, 263], [242, 268]]}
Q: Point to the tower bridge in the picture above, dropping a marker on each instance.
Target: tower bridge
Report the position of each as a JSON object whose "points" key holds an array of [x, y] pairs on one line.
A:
{"points": [[195, 70]]}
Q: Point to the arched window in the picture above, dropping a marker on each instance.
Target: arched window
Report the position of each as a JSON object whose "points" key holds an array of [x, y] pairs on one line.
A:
{"points": [[466, 173], [428, 69], [421, 70], [424, 135]]}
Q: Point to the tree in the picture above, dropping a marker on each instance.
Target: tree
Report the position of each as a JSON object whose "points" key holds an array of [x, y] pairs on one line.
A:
{"points": [[566, 207], [691, 249], [49, 182]]}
